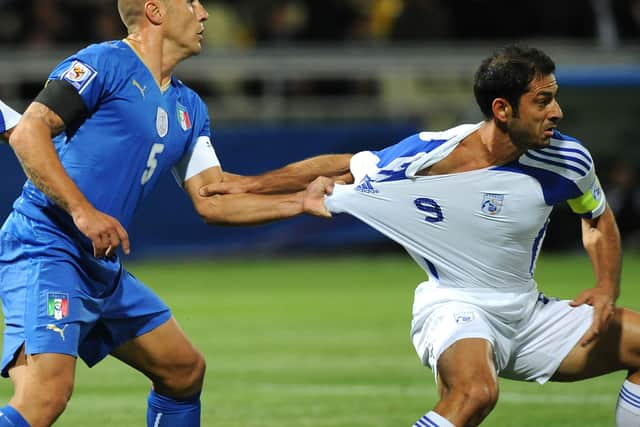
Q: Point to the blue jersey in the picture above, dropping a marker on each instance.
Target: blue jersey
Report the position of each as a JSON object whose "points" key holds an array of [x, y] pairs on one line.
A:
{"points": [[134, 132]]}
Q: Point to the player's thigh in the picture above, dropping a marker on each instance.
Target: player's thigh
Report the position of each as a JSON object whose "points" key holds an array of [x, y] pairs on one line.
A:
{"points": [[41, 376], [467, 362], [617, 348], [462, 345], [545, 338], [131, 311], [166, 356], [136, 327]]}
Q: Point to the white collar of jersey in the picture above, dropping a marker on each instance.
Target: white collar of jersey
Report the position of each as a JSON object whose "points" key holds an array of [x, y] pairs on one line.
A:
{"points": [[424, 160]]}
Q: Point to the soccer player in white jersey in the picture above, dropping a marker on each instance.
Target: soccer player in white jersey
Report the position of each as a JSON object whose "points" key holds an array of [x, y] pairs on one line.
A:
{"points": [[471, 205]]}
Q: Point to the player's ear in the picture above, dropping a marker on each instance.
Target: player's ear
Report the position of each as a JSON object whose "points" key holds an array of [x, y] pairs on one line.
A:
{"points": [[502, 109], [155, 11]]}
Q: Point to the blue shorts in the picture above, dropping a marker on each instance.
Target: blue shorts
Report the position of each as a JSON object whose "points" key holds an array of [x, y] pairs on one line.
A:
{"points": [[58, 298]]}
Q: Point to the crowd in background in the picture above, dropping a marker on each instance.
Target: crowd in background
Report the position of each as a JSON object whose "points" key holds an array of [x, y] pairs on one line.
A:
{"points": [[248, 23], [251, 23]]}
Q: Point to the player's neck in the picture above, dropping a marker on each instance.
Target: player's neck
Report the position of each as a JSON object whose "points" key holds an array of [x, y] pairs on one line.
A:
{"points": [[150, 47], [499, 149], [477, 151]]}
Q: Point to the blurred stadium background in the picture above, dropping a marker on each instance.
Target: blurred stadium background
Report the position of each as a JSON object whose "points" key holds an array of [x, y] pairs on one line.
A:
{"points": [[322, 340]]}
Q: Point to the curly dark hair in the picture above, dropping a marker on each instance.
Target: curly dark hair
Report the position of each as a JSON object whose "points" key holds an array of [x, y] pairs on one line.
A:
{"points": [[507, 74]]}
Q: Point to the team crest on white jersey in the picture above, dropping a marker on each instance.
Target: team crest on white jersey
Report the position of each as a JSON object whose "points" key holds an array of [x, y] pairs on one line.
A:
{"points": [[366, 186], [464, 317], [492, 203], [162, 122]]}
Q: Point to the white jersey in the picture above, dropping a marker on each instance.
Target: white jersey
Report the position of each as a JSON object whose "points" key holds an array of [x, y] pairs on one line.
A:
{"points": [[481, 229], [8, 117]]}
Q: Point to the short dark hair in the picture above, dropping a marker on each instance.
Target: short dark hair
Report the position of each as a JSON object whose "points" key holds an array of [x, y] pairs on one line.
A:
{"points": [[507, 74]]}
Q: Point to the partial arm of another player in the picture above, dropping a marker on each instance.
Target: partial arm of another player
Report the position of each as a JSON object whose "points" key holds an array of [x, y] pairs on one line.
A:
{"points": [[601, 240], [4, 137], [31, 141], [293, 177], [8, 120], [250, 208]]}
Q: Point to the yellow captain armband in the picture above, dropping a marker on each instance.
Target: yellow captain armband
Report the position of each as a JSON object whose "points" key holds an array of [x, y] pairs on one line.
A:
{"points": [[583, 204], [589, 201]]}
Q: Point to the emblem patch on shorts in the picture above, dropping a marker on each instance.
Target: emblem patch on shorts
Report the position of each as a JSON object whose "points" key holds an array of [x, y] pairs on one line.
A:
{"points": [[464, 317], [79, 75], [58, 305], [492, 203]]}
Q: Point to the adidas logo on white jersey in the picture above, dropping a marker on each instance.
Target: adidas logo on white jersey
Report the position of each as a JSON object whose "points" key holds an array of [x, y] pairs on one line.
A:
{"points": [[366, 186]]}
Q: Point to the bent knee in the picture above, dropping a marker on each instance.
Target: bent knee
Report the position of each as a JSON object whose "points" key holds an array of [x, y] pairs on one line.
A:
{"points": [[42, 406], [53, 406], [484, 396], [183, 377], [474, 399]]}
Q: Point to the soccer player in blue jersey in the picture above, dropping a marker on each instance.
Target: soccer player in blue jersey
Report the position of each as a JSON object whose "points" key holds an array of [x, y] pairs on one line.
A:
{"points": [[111, 119], [471, 205]]}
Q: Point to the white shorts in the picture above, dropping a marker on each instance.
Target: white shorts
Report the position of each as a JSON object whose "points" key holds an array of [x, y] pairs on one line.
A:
{"points": [[527, 348]]}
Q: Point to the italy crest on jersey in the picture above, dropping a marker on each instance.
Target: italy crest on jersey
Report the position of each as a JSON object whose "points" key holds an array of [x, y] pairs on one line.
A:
{"points": [[58, 305], [183, 117], [492, 203]]}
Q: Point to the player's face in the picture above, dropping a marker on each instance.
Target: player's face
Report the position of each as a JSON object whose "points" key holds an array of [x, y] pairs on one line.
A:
{"points": [[539, 114], [185, 27]]}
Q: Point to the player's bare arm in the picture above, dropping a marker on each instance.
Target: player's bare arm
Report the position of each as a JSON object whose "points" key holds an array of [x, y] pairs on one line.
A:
{"points": [[601, 240], [32, 144], [246, 208], [293, 177]]}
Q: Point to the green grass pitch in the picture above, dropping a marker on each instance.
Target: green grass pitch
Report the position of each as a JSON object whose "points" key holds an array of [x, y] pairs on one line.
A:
{"points": [[324, 342]]}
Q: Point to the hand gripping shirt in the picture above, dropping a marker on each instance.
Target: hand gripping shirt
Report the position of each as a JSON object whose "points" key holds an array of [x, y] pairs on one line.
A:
{"points": [[133, 133], [477, 229]]}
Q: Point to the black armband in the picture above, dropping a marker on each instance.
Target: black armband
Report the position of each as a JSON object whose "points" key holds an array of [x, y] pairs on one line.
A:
{"points": [[64, 100]]}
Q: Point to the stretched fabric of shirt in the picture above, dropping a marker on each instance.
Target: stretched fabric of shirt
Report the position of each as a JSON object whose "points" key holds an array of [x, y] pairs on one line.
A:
{"points": [[476, 229]]}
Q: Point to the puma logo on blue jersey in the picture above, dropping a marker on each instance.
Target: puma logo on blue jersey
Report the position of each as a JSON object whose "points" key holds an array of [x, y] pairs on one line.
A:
{"points": [[139, 86]]}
